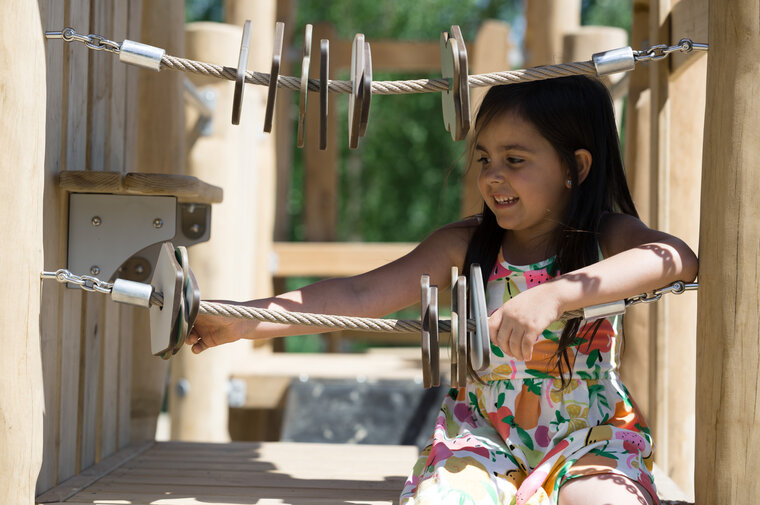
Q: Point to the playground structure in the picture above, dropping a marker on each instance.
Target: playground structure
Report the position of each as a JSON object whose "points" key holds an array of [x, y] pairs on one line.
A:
{"points": [[86, 366]]}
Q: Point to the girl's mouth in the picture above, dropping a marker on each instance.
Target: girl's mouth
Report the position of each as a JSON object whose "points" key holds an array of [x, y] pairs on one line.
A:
{"points": [[505, 200]]}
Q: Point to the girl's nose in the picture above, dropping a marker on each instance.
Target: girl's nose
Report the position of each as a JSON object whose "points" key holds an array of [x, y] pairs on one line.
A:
{"points": [[494, 173]]}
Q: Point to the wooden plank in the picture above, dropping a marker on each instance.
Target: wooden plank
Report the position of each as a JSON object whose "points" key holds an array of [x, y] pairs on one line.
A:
{"points": [[326, 259], [75, 85], [85, 478], [131, 94], [687, 98], [71, 339], [118, 94], [52, 12], [658, 213], [728, 326], [635, 369], [336, 366], [688, 19], [89, 378], [109, 382], [185, 187], [100, 65], [126, 337], [76, 74]]}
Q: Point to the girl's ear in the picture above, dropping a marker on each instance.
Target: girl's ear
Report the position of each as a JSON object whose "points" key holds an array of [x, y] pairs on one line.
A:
{"points": [[583, 161]]}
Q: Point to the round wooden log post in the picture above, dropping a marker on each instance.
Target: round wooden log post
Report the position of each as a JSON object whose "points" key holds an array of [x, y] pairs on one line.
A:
{"points": [[728, 329], [263, 14], [579, 44], [22, 137], [160, 149], [225, 266], [546, 22]]}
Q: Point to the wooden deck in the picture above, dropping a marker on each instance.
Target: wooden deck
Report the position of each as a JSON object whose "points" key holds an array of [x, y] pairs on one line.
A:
{"points": [[242, 473], [252, 473]]}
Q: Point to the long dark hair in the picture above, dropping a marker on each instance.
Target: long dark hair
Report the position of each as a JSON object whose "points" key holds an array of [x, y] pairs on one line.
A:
{"points": [[571, 113]]}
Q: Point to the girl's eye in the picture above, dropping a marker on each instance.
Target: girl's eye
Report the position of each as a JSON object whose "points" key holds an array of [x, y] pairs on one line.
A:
{"points": [[514, 160], [482, 160]]}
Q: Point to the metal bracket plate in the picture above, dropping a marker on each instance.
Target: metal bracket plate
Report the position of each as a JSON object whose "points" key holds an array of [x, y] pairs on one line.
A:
{"points": [[105, 229]]}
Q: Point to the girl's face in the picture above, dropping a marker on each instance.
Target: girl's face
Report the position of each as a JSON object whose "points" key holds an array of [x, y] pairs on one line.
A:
{"points": [[522, 179]]}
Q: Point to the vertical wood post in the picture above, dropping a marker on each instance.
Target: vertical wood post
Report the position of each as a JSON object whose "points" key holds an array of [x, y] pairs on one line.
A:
{"points": [[262, 13], [635, 369], [546, 22], [22, 137], [580, 43], [160, 149], [225, 266], [728, 330]]}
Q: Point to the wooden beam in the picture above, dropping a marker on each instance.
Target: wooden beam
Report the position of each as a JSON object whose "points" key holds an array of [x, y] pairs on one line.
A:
{"points": [[333, 259], [728, 334]]}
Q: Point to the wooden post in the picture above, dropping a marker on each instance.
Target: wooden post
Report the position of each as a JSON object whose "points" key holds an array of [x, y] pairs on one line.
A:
{"points": [[263, 153], [226, 266], [160, 148], [635, 369], [579, 44], [546, 21], [728, 329], [22, 137]]}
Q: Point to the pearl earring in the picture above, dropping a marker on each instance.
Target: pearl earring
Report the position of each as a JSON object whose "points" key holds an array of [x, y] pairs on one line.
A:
{"points": [[569, 183]]}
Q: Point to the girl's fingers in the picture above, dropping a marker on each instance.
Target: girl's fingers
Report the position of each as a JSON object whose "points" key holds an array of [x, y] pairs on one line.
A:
{"points": [[527, 346], [515, 344]]}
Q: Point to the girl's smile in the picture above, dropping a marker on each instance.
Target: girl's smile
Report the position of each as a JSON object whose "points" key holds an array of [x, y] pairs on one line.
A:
{"points": [[522, 179]]}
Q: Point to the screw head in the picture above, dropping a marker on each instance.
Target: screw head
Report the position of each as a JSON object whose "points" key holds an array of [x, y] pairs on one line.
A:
{"points": [[94, 269], [158, 223], [96, 221]]}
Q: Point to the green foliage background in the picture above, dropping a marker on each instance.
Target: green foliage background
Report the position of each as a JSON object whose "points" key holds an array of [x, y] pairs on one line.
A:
{"points": [[405, 178]]}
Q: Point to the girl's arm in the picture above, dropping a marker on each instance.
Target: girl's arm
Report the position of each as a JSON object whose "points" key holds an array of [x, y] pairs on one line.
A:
{"points": [[637, 259], [371, 294]]}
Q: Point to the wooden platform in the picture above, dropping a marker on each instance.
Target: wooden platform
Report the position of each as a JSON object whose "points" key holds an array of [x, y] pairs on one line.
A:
{"points": [[242, 473]]}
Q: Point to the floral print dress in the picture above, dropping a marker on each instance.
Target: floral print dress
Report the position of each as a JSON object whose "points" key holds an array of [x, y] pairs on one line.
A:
{"points": [[515, 438]]}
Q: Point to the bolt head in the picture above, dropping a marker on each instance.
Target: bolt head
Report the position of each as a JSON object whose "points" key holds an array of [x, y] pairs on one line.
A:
{"points": [[96, 221], [158, 223], [94, 269]]}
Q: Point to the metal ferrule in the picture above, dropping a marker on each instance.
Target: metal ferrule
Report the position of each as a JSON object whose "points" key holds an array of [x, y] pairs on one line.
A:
{"points": [[141, 55], [132, 293], [613, 61], [604, 310]]}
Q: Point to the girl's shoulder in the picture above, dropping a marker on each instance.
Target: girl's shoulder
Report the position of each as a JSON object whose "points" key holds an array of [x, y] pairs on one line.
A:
{"points": [[619, 232], [452, 239]]}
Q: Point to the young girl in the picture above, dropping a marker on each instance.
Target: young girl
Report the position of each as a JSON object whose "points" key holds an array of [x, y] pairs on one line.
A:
{"points": [[549, 421]]}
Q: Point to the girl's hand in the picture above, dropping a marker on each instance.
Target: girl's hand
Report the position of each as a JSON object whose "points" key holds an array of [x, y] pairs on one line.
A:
{"points": [[516, 326], [210, 331]]}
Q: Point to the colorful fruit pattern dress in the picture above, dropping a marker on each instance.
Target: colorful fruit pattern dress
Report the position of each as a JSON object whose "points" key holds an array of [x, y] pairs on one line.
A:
{"points": [[515, 438]]}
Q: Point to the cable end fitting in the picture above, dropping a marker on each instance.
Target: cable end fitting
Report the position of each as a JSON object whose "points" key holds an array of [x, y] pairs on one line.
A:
{"points": [[614, 61], [142, 55]]}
